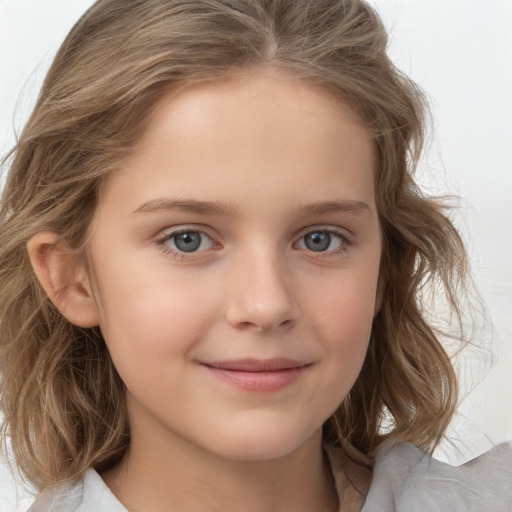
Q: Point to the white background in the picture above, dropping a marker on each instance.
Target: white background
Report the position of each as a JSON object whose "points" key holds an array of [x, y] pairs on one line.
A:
{"points": [[460, 52]]}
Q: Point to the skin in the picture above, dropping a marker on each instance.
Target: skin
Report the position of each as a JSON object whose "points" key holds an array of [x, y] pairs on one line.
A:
{"points": [[267, 150]]}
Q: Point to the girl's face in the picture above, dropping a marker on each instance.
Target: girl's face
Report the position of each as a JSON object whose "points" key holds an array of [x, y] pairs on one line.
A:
{"points": [[236, 257]]}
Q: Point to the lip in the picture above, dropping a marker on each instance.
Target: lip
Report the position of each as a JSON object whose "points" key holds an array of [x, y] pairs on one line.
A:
{"points": [[258, 375]]}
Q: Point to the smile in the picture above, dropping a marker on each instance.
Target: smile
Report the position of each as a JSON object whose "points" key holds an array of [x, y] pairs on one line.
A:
{"points": [[258, 375]]}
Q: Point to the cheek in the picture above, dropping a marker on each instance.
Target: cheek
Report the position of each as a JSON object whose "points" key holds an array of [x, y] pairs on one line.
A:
{"points": [[153, 314], [344, 316], [345, 331]]}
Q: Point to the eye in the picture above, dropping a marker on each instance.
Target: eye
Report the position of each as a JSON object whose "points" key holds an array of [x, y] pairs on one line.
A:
{"points": [[322, 241], [186, 241]]}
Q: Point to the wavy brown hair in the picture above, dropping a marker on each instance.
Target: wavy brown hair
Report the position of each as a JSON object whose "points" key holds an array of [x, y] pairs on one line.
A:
{"points": [[62, 399]]}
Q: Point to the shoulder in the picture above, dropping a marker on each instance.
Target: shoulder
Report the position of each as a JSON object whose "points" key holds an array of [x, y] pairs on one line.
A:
{"points": [[405, 479], [89, 495]]}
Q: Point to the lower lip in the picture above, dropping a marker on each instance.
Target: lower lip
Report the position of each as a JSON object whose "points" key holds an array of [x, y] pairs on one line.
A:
{"points": [[260, 382]]}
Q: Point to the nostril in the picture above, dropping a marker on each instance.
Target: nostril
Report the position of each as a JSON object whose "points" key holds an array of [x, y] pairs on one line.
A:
{"points": [[286, 324], [261, 326]]}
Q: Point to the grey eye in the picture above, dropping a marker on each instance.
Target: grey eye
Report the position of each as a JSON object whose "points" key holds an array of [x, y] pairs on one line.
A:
{"points": [[318, 241], [323, 240], [187, 241]]}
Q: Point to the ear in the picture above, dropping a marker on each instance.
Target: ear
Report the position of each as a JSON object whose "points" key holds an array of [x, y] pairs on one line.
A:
{"points": [[66, 285]]}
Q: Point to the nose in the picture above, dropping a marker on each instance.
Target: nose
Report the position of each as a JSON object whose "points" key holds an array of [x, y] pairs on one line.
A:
{"points": [[261, 295]]}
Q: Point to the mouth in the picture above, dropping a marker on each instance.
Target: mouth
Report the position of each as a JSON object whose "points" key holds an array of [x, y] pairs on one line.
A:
{"points": [[258, 375]]}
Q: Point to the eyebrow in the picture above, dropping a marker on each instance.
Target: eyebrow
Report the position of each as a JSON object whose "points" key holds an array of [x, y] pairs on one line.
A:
{"points": [[188, 205], [230, 209], [345, 205]]}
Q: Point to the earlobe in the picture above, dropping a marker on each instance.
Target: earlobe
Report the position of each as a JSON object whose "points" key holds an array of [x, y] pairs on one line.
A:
{"points": [[66, 285]]}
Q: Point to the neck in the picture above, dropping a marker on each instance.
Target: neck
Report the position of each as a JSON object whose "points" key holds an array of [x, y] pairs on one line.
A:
{"points": [[180, 476]]}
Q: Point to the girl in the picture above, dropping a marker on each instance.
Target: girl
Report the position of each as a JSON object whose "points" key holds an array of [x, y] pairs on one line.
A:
{"points": [[213, 269]]}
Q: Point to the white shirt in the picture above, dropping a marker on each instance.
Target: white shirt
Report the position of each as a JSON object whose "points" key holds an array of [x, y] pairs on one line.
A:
{"points": [[404, 480]]}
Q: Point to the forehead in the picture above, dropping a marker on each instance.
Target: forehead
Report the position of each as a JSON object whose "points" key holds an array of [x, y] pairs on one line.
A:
{"points": [[255, 132]]}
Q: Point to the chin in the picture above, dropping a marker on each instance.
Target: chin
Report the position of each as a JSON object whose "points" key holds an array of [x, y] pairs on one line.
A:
{"points": [[261, 445]]}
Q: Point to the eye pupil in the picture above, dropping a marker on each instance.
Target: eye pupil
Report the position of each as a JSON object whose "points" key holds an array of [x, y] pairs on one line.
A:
{"points": [[188, 241], [318, 241]]}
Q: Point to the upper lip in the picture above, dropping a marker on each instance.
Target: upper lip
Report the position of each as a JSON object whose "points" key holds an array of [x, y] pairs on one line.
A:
{"points": [[257, 365]]}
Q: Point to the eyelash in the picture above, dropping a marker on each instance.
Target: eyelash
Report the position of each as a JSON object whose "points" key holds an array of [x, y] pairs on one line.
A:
{"points": [[345, 242], [179, 255]]}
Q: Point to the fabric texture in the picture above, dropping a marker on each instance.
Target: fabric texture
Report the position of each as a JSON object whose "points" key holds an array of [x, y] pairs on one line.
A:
{"points": [[407, 480], [404, 480]]}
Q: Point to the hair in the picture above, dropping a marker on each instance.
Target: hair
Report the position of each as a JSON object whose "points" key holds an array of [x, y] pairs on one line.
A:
{"points": [[62, 399]]}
